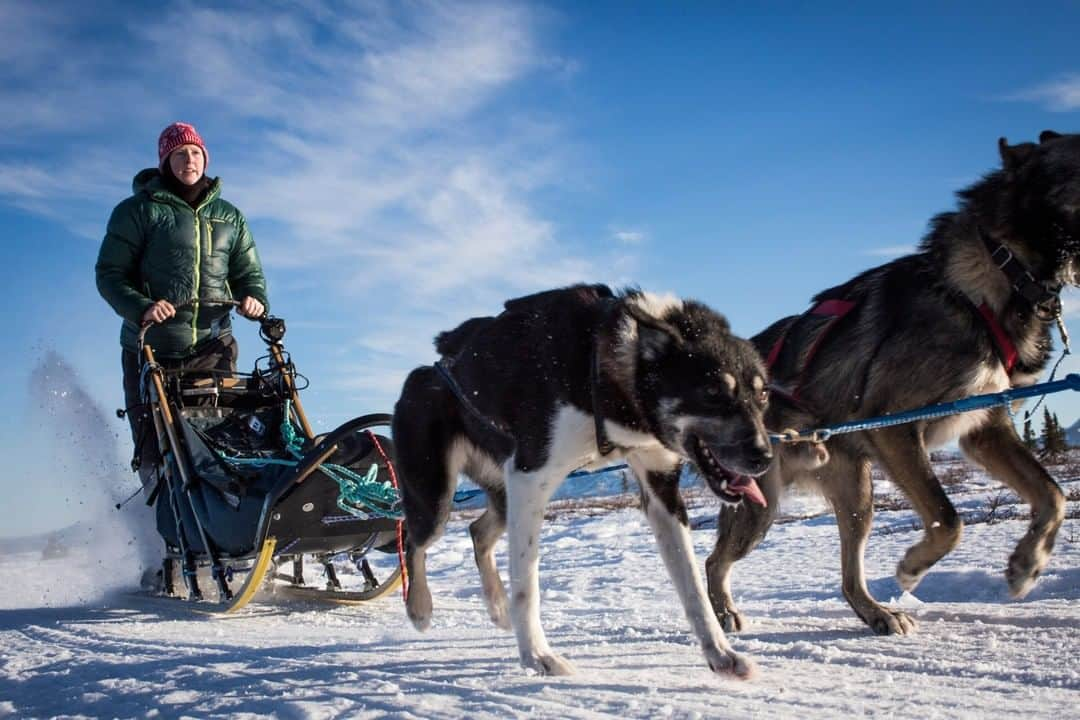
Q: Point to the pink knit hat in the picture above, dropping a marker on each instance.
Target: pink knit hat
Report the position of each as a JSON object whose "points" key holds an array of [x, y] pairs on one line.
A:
{"points": [[176, 135]]}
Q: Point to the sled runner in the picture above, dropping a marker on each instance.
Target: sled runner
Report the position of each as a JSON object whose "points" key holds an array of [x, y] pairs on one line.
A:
{"points": [[244, 490]]}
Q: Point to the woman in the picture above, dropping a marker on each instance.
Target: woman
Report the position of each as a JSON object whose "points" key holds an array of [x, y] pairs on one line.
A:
{"points": [[173, 241]]}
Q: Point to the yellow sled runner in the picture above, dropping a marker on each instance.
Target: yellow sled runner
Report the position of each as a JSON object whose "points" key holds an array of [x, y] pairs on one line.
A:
{"points": [[241, 487]]}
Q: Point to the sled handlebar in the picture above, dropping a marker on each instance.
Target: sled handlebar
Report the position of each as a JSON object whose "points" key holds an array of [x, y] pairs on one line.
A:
{"points": [[272, 328]]}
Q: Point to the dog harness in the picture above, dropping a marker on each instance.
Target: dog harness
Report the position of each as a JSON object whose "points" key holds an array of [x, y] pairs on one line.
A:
{"points": [[815, 325], [603, 442], [1044, 299], [444, 367], [1006, 350], [604, 445]]}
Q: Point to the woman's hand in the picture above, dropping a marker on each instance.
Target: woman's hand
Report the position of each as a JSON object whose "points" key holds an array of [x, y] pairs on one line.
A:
{"points": [[252, 308], [159, 312]]}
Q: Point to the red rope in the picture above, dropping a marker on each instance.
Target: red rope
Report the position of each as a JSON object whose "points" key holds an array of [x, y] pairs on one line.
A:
{"points": [[400, 523]]}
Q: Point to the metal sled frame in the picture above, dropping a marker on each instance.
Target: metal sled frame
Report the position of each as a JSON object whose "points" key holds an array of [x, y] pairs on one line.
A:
{"points": [[259, 567]]}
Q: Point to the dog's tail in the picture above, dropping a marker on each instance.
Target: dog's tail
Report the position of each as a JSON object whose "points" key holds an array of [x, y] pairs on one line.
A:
{"points": [[451, 342], [425, 423]]}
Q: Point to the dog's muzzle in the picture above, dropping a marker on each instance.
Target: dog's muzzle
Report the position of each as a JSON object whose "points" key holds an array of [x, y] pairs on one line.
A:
{"points": [[732, 480]]}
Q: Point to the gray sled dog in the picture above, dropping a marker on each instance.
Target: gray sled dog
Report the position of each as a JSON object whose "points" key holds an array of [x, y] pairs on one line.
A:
{"points": [[577, 378], [969, 313]]}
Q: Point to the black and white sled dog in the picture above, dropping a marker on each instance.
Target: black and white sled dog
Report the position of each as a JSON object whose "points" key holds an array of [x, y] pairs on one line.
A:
{"points": [[969, 313], [576, 378]]}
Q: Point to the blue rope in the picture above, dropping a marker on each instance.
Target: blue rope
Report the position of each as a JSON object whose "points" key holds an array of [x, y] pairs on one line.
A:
{"points": [[462, 495], [975, 402], [293, 441], [362, 496]]}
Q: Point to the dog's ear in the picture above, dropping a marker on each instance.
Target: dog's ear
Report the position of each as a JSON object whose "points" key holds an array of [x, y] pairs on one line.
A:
{"points": [[654, 334], [1048, 135], [652, 341], [1013, 156]]}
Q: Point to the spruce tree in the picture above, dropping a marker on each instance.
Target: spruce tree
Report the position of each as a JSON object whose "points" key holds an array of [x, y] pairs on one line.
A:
{"points": [[1053, 437], [1062, 438], [1046, 437], [1028, 437]]}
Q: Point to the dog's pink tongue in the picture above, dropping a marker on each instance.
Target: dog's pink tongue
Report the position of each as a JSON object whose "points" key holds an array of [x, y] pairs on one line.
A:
{"points": [[747, 487]]}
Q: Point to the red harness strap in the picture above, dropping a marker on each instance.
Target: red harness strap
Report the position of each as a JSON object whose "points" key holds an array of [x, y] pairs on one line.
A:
{"points": [[1004, 344], [834, 310], [400, 523], [774, 351]]}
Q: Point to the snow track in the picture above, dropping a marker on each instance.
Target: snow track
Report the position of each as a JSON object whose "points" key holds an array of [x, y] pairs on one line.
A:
{"points": [[609, 607]]}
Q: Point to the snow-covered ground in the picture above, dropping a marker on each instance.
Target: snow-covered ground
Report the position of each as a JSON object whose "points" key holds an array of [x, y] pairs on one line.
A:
{"points": [[68, 651]]}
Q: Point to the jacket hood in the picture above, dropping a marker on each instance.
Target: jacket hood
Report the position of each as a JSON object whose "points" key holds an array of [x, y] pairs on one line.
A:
{"points": [[149, 181], [146, 180]]}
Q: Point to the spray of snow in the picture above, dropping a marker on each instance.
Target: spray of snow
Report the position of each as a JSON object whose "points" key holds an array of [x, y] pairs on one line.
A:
{"points": [[80, 467]]}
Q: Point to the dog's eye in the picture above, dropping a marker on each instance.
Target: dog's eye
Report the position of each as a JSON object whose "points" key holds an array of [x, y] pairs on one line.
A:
{"points": [[713, 394]]}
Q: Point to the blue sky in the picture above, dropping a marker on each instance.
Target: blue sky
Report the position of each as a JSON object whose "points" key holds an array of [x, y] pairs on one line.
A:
{"points": [[407, 165]]}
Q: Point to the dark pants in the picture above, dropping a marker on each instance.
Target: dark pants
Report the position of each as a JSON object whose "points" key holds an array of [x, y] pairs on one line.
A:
{"points": [[218, 354]]}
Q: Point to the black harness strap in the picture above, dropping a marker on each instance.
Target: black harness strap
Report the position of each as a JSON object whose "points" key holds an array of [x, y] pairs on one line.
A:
{"points": [[603, 442], [443, 368], [1045, 301]]}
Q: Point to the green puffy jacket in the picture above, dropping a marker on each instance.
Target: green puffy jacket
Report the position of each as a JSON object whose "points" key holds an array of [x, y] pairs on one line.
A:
{"points": [[157, 248]]}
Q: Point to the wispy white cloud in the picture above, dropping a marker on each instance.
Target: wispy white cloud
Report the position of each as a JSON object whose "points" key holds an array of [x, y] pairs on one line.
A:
{"points": [[65, 74], [1060, 95], [371, 145], [890, 251], [629, 237], [565, 67]]}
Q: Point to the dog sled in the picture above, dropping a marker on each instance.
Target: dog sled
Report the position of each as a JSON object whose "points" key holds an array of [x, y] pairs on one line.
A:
{"points": [[246, 494]]}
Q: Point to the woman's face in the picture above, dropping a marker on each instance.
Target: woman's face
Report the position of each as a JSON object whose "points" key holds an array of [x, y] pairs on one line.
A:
{"points": [[187, 163]]}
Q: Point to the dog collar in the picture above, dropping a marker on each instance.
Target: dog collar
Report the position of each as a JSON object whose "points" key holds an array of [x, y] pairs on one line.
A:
{"points": [[1045, 301], [603, 442]]}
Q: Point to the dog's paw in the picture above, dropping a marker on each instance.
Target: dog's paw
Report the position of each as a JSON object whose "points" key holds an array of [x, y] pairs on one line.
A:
{"points": [[726, 663], [418, 608], [730, 619], [500, 615], [420, 623], [1021, 576], [498, 609], [891, 622], [728, 616], [908, 580], [548, 663]]}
